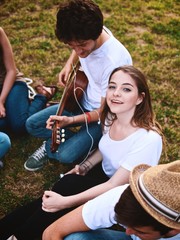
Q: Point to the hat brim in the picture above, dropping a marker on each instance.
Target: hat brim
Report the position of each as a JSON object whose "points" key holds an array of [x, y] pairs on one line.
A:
{"points": [[134, 176]]}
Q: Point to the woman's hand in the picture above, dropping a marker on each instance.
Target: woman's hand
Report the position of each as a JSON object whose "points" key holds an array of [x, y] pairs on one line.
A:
{"points": [[78, 169], [62, 121], [2, 110], [53, 202]]}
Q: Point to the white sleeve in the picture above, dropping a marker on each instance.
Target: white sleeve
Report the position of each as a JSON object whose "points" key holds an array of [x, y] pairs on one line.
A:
{"points": [[99, 212], [145, 151]]}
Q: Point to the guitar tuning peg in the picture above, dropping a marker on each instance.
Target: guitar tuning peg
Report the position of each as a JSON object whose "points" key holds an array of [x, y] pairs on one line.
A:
{"points": [[62, 130], [62, 135], [62, 140]]}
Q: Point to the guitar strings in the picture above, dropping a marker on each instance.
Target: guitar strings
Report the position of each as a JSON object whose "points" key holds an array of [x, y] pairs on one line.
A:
{"points": [[85, 117]]}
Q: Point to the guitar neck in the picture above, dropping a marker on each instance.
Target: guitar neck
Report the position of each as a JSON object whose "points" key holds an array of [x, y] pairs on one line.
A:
{"points": [[68, 84], [77, 82]]}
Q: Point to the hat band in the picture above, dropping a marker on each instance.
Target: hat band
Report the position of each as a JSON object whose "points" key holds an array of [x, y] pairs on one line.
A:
{"points": [[155, 204]]}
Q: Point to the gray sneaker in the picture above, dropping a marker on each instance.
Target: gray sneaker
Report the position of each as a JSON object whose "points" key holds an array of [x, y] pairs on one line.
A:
{"points": [[37, 159]]}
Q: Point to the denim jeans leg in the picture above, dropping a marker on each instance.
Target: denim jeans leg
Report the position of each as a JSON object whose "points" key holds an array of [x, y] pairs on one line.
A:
{"points": [[37, 104], [100, 234], [36, 124], [17, 106], [3, 124], [77, 145], [5, 144]]}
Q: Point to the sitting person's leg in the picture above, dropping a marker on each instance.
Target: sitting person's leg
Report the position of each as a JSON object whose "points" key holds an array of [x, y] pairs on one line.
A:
{"points": [[17, 104], [15, 219], [3, 124], [43, 95], [5, 144], [77, 145], [29, 222], [100, 234], [19, 107], [38, 128]]}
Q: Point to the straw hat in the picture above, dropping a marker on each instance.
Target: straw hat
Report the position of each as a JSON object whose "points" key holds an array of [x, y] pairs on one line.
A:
{"points": [[157, 189]]}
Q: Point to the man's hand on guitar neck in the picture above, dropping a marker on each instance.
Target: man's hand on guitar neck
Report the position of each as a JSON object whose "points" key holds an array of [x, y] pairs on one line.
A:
{"points": [[62, 120]]}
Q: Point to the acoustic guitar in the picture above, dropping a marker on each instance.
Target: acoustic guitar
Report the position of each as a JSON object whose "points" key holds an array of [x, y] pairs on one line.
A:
{"points": [[72, 94]]}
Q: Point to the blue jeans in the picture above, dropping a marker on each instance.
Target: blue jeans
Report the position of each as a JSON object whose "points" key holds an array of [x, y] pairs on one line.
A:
{"points": [[100, 234], [19, 108], [77, 144], [5, 144]]}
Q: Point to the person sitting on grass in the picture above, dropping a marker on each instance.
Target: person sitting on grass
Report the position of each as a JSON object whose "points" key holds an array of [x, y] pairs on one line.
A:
{"points": [[79, 24], [15, 105], [148, 209], [131, 136]]}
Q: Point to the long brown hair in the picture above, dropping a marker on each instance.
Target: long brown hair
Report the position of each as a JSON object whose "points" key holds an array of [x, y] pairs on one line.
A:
{"points": [[144, 116]]}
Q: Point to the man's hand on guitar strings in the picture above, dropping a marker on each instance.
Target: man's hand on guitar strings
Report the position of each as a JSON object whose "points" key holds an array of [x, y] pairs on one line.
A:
{"points": [[63, 75]]}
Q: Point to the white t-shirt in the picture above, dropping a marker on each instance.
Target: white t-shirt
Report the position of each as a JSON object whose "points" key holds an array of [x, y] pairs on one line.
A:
{"points": [[98, 66], [140, 147], [99, 212]]}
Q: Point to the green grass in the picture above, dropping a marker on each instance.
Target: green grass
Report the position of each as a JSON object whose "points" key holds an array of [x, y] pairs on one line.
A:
{"points": [[149, 30]]}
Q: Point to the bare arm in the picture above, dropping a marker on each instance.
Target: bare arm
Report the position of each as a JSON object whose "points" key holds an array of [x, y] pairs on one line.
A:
{"points": [[10, 68], [9, 64], [69, 223], [121, 177], [53, 202], [64, 120], [84, 167]]}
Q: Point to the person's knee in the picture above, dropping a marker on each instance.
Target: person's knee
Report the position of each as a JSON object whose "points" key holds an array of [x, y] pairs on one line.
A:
{"points": [[63, 154], [5, 141], [78, 236], [30, 125]]}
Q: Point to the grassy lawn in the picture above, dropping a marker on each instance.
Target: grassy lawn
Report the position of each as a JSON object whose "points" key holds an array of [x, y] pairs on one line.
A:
{"points": [[150, 31]]}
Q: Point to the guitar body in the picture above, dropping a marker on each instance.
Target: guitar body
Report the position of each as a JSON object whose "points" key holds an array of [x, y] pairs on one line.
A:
{"points": [[75, 91], [72, 95]]}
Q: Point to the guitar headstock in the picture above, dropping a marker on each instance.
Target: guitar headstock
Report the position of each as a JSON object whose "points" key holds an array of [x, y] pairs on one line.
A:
{"points": [[58, 136]]}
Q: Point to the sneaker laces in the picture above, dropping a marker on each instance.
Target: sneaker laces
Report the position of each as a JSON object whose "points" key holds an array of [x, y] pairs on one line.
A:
{"points": [[39, 153]]}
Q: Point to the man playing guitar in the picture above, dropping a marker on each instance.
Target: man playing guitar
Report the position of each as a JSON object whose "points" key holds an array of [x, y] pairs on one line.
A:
{"points": [[79, 25]]}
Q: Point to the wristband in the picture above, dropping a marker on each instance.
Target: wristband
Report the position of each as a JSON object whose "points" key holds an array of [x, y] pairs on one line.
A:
{"points": [[88, 117]]}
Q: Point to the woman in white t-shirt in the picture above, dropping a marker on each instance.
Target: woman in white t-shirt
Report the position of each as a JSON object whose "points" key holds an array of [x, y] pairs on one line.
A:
{"points": [[131, 137]]}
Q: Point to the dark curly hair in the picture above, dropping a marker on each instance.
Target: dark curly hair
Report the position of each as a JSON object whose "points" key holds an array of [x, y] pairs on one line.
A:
{"points": [[131, 214], [78, 20], [143, 116]]}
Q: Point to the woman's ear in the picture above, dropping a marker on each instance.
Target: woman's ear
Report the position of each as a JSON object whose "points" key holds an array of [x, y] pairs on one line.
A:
{"points": [[140, 98]]}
